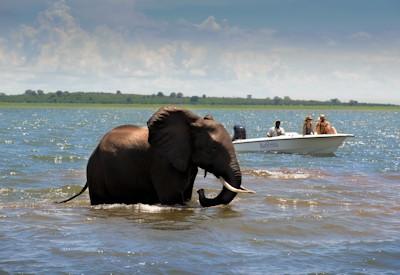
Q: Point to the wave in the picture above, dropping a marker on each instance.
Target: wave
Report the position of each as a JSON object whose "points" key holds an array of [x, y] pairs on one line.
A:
{"points": [[57, 158], [394, 177], [287, 174], [6, 191], [292, 202]]}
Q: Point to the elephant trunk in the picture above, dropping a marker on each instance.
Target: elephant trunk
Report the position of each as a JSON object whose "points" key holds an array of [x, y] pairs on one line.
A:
{"points": [[233, 178]]}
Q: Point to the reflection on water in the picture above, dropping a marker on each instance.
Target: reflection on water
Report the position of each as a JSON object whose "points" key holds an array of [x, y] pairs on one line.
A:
{"points": [[330, 214]]}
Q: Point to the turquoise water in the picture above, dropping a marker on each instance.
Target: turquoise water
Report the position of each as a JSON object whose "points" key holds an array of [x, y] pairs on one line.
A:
{"points": [[332, 214]]}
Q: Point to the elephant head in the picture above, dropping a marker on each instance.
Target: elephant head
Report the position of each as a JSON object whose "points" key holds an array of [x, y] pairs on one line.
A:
{"points": [[187, 140]]}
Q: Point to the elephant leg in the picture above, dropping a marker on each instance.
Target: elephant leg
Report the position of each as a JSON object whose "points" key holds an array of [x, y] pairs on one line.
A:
{"points": [[169, 190], [95, 179], [189, 189], [169, 183]]}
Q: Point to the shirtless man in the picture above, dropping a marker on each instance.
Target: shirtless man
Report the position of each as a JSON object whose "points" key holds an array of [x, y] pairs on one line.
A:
{"points": [[324, 127]]}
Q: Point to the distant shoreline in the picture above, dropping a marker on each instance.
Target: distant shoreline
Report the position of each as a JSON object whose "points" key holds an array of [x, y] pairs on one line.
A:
{"points": [[131, 99], [12, 105]]}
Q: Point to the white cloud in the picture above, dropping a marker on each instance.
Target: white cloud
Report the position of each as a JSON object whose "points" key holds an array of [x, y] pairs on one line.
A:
{"points": [[250, 65], [350, 76], [210, 24], [195, 60], [361, 36]]}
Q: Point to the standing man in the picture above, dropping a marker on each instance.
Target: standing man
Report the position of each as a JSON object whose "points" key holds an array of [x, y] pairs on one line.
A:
{"points": [[276, 131]]}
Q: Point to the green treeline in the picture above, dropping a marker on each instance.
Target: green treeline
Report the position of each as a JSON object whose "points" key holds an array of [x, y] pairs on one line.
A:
{"points": [[31, 96]]}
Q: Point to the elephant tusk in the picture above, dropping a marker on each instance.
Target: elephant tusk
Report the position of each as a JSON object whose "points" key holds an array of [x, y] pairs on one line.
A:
{"points": [[233, 189], [247, 190]]}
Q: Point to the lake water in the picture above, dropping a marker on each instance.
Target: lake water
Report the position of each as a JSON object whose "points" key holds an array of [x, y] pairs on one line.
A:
{"points": [[332, 214]]}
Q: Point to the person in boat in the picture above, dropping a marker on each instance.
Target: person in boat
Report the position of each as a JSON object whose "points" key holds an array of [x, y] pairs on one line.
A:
{"points": [[239, 132], [308, 126], [324, 127], [276, 131]]}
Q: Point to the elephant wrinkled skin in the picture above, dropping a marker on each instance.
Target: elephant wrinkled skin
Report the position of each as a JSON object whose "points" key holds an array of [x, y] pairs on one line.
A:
{"points": [[159, 163]]}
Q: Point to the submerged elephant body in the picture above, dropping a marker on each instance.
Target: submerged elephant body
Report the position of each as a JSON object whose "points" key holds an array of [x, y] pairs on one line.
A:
{"points": [[159, 163]]}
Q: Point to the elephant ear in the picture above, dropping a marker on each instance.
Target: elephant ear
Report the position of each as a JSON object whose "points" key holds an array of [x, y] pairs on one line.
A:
{"points": [[170, 135]]}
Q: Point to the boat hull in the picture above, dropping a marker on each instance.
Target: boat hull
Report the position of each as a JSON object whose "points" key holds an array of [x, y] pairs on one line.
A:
{"points": [[299, 144]]}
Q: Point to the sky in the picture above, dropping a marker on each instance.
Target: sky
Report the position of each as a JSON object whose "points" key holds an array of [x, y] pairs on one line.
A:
{"points": [[304, 49]]}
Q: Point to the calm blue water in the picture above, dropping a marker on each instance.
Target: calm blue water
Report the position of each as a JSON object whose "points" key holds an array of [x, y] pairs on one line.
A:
{"points": [[337, 214]]}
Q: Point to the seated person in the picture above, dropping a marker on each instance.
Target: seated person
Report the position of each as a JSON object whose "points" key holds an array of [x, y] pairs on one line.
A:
{"points": [[323, 126], [331, 130], [276, 131], [308, 126]]}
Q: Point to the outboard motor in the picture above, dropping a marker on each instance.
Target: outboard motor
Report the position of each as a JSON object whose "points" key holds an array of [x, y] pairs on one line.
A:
{"points": [[239, 132]]}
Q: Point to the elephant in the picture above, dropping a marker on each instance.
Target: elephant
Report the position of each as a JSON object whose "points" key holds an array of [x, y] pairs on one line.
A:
{"points": [[158, 164]]}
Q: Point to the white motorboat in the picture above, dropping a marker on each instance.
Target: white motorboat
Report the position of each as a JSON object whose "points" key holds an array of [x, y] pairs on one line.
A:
{"points": [[293, 143]]}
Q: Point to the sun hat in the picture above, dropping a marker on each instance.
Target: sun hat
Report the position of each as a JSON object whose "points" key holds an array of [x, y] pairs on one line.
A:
{"points": [[308, 118]]}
